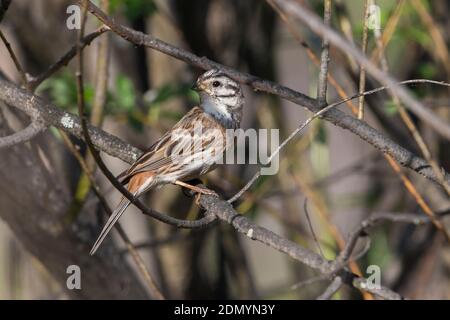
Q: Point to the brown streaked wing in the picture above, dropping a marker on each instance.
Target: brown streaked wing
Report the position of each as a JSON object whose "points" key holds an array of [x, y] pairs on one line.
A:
{"points": [[157, 158]]}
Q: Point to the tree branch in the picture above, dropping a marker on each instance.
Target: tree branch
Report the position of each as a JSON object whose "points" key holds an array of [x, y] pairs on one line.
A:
{"points": [[334, 286], [34, 82], [32, 130], [324, 59], [362, 72]]}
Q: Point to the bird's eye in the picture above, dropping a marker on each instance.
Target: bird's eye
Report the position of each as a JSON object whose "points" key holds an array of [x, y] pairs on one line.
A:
{"points": [[216, 84]]}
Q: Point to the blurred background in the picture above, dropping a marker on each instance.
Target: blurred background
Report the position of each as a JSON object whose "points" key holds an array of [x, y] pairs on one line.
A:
{"points": [[50, 216]]}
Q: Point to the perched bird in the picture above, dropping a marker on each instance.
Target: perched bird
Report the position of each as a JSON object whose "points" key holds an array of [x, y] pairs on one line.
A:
{"points": [[191, 148]]}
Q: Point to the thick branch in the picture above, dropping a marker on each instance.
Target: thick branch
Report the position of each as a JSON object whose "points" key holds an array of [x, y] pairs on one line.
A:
{"points": [[37, 107], [32, 130]]}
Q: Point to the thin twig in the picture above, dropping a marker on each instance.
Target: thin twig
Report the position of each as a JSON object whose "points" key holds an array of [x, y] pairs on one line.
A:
{"points": [[309, 281], [16, 61], [377, 219], [34, 82], [324, 59], [80, 95], [332, 228], [308, 218], [334, 286], [362, 72]]}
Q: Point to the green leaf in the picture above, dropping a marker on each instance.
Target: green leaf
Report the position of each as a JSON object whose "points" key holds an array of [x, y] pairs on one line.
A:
{"points": [[135, 123], [321, 135], [125, 95], [428, 70], [62, 89], [379, 253], [390, 108], [134, 9], [419, 35]]}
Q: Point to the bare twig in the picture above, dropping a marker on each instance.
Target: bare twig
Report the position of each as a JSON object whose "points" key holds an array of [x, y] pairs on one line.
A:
{"points": [[309, 281], [380, 291], [32, 130], [362, 73], [16, 61], [334, 286], [324, 59], [34, 82], [308, 218], [101, 81], [371, 222]]}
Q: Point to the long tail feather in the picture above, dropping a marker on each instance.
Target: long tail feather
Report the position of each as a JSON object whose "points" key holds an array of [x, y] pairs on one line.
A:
{"points": [[115, 216]]}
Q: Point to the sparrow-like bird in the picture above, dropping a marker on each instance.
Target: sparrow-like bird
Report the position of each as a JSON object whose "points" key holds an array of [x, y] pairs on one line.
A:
{"points": [[191, 148]]}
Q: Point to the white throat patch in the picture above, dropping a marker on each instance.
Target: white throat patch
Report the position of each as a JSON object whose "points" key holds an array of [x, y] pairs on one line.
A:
{"points": [[215, 108]]}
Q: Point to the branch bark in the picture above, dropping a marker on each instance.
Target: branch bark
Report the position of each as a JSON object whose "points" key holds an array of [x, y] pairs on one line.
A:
{"points": [[32, 130]]}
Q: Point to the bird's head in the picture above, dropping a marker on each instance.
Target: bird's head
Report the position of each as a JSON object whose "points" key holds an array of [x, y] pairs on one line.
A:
{"points": [[220, 95]]}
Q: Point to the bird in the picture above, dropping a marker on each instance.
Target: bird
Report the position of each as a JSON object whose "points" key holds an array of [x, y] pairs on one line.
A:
{"points": [[185, 152]]}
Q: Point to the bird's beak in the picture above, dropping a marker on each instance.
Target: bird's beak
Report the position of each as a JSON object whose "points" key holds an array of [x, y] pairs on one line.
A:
{"points": [[198, 86], [195, 86]]}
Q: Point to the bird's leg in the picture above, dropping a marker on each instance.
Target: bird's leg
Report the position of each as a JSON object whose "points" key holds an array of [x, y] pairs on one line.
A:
{"points": [[195, 188]]}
